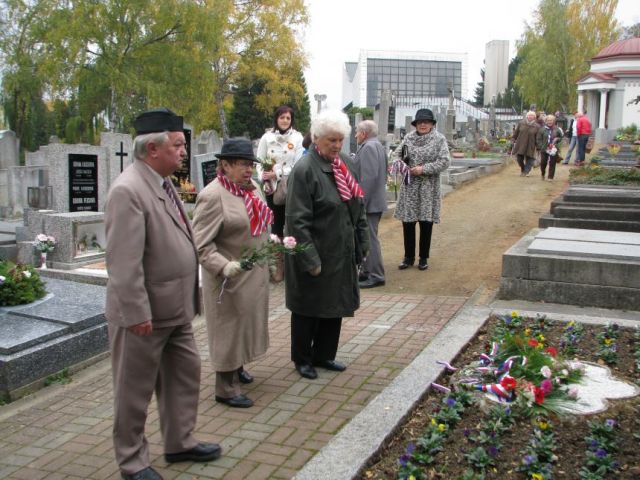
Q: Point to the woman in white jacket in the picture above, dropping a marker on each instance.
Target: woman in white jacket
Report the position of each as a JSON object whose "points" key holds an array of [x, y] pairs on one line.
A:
{"points": [[282, 147]]}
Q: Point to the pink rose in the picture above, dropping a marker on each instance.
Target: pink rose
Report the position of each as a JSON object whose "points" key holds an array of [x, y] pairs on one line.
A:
{"points": [[546, 386], [274, 238], [289, 243]]}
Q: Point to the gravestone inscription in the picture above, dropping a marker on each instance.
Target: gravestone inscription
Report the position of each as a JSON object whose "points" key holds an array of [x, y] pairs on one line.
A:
{"points": [[83, 183]]}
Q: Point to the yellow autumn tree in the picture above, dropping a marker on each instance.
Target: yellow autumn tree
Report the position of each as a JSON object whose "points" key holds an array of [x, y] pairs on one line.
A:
{"points": [[557, 46]]}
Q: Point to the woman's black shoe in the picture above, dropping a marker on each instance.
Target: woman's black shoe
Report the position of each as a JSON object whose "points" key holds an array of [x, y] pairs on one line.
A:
{"points": [[406, 263], [422, 265], [244, 376]]}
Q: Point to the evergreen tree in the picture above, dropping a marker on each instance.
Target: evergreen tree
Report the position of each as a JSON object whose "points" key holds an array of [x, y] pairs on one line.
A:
{"points": [[479, 91]]}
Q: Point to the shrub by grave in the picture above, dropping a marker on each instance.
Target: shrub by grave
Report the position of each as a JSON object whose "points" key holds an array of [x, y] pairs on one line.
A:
{"points": [[19, 284]]}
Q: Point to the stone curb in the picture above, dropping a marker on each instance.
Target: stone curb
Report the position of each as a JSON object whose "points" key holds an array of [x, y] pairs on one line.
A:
{"points": [[350, 450]]}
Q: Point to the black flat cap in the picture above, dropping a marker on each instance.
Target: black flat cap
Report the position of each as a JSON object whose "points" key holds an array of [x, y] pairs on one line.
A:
{"points": [[237, 148], [158, 120]]}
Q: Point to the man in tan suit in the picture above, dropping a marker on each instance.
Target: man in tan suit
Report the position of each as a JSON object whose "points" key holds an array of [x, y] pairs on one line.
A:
{"points": [[152, 297]]}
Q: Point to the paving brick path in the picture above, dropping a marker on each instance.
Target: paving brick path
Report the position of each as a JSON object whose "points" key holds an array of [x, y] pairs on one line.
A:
{"points": [[64, 432]]}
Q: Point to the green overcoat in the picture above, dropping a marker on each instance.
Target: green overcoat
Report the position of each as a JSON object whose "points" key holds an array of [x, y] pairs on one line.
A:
{"points": [[317, 216]]}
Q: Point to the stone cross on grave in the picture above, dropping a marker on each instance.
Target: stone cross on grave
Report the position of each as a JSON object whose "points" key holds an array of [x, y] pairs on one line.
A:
{"points": [[122, 154]]}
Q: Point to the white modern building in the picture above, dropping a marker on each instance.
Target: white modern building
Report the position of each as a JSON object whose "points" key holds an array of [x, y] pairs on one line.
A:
{"points": [[610, 92], [405, 74], [496, 69]]}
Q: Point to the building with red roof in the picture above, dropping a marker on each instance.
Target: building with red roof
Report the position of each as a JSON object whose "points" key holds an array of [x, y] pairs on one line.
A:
{"points": [[610, 92]]}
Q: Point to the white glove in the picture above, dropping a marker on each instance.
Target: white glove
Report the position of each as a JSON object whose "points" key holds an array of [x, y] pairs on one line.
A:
{"points": [[231, 269]]}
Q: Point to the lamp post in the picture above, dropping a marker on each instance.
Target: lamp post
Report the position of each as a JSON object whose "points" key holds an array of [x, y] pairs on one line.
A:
{"points": [[319, 98]]}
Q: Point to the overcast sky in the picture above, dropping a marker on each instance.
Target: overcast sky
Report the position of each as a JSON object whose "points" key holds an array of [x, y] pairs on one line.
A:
{"points": [[338, 29]]}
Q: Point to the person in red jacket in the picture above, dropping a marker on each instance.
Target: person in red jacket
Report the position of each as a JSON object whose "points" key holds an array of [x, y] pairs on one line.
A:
{"points": [[583, 127]]}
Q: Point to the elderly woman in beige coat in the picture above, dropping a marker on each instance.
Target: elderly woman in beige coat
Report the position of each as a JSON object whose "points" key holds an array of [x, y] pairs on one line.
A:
{"points": [[230, 217]]}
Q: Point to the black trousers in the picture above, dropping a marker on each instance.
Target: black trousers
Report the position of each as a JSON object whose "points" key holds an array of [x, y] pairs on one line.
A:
{"points": [[409, 234], [278, 217], [547, 160], [314, 339]]}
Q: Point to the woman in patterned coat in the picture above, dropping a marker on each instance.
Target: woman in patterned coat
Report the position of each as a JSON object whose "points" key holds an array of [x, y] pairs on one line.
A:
{"points": [[426, 153]]}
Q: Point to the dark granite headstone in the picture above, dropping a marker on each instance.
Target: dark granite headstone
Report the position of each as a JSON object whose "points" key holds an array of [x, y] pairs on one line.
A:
{"points": [[83, 183], [209, 171]]}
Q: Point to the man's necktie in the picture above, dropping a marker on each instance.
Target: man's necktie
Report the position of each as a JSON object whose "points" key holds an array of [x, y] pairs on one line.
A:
{"points": [[172, 196]]}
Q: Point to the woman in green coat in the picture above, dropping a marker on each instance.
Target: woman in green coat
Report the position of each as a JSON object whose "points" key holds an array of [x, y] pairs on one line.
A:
{"points": [[325, 210]]}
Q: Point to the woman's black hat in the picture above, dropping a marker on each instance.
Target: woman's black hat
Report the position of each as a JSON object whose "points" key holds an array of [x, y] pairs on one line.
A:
{"points": [[237, 148], [424, 114], [158, 120]]}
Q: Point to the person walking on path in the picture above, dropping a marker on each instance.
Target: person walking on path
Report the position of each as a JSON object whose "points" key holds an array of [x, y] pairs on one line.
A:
{"points": [[583, 128], [152, 298], [524, 143], [371, 168], [572, 134], [230, 218], [325, 211], [549, 138], [425, 154]]}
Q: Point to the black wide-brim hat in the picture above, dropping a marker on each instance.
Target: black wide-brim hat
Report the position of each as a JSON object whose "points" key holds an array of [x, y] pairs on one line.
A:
{"points": [[158, 120], [237, 148], [424, 114]]}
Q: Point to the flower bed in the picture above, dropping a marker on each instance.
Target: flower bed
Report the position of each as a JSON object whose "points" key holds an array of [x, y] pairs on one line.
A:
{"points": [[452, 436]]}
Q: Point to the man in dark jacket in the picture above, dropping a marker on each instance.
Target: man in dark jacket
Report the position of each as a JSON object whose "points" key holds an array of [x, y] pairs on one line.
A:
{"points": [[371, 167]]}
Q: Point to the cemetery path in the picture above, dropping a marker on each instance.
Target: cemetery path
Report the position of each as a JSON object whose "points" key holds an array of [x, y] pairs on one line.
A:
{"points": [[480, 221]]}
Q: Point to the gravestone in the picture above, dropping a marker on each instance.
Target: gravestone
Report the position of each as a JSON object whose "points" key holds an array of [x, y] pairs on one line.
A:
{"points": [[206, 165], [472, 131], [80, 238], [79, 176], [39, 339], [208, 141], [184, 172], [9, 150], [83, 182], [120, 151], [574, 266], [596, 207], [9, 158], [450, 126]]}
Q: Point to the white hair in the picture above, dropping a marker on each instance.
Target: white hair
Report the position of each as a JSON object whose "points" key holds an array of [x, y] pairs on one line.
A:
{"points": [[368, 127], [330, 121], [141, 141]]}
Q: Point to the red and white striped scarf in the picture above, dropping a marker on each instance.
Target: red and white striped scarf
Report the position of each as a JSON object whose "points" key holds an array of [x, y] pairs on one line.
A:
{"points": [[260, 215], [345, 183]]}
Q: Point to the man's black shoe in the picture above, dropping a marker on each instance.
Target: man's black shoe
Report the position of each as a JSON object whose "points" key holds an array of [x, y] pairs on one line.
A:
{"points": [[332, 365], [306, 371], [244, 376], [362, 277], [146, 474], [371, 283], [406, 263], [423, 265], [239, 401], [203, 452]]}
